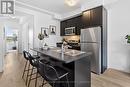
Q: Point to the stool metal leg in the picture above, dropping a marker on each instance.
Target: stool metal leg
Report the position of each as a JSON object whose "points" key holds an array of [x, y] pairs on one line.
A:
{"points": [[43, 83], [27, 74], [36, 79], [25, 68], [53, 84], [30, 77], [67, 80]]}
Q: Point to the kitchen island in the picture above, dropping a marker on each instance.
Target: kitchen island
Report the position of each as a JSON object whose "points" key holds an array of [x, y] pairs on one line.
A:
{"points": [[76, 62]]}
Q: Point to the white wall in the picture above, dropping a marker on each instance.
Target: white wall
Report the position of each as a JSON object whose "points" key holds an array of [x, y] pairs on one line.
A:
{"points": [[43, 20], [118, 28], [1, 47], [25, 37], [20, 40]]}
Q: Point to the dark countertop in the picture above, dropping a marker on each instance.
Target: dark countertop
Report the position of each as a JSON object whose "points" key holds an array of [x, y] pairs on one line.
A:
{"points": [[61, 57]]}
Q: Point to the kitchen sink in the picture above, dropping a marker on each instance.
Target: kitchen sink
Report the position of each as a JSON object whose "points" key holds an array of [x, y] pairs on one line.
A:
{"points": [[59, 51], [74, 53], [70, 52]]}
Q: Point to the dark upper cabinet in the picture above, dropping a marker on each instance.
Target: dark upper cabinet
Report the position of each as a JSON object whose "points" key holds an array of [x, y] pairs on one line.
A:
{"points": [[92, 17], [78, 24], [73, 22], [96, 16], [63, 25], [70, 23], [86, 18], [89, 18]]}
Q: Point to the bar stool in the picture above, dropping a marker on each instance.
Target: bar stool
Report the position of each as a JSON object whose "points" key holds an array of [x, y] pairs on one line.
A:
{"points": [[25, 53], [35, 64], [28, 59], [52, 73], [40, 71]]}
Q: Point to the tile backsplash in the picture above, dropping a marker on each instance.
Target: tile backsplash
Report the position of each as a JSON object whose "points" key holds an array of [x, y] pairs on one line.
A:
{"points": [[68, 38]]}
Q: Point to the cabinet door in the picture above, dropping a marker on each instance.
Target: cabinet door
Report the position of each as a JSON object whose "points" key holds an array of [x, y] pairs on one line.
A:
{"points": [[71, 22], [96, 16], [78, 24], [75, 22], [86, 18], [62, 28]]}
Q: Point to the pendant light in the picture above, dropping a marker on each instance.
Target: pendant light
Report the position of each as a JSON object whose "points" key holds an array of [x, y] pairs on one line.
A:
{"points": [[71, 2]]}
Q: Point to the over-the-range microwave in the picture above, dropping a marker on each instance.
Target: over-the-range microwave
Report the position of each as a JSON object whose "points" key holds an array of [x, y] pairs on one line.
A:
{"points": [[70, 31]]}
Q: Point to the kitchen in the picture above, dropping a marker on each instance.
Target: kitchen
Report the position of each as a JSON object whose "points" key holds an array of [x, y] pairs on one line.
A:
{"points": [[89, 27], [85, 33]]}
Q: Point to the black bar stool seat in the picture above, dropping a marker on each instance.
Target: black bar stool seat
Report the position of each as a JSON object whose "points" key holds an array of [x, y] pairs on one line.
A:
{"points": [[35, 56], [53, 74], [60, 72]]}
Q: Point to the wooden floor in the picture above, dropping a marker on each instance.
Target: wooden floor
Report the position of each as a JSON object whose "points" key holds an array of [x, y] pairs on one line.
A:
{"points": [[14, 63]]}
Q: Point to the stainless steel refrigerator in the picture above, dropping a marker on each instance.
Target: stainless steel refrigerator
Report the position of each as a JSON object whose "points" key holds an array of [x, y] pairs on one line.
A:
{"points": [[91, 40]]}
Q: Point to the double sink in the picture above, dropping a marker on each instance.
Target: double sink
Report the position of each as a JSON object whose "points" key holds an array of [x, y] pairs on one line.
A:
{"points": [[70, 52]]}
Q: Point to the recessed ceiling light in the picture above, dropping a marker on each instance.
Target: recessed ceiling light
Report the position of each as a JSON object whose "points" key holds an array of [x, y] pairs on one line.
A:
{"points": [[71, 2]]}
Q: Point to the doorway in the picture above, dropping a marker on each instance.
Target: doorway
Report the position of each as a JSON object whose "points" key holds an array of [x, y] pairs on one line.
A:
{"points": [[11, 38], [16, 34]]}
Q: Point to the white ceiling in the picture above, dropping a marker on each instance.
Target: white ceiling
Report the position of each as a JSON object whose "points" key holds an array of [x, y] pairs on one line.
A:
{"points": [[15, 17], [56, 6]]}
